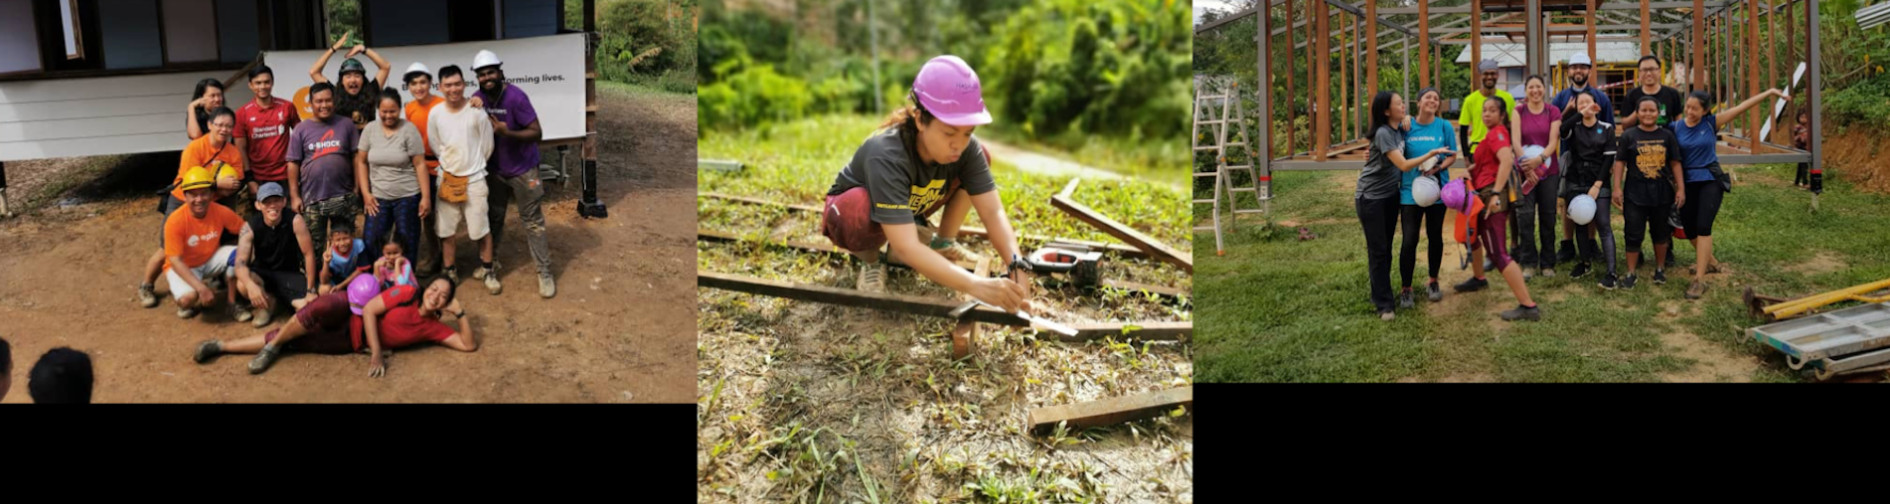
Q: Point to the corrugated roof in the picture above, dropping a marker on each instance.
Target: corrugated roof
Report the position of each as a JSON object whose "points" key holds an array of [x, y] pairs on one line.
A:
{"points": [[1511, 54]]}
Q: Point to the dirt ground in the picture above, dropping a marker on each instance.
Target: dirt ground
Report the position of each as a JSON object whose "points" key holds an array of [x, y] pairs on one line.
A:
{"points": [[617, 331]]}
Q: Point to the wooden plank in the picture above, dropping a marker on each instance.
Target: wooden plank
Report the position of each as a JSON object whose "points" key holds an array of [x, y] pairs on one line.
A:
{"points": [[1124, 250], [1322, 88], [1124, 233], [930, 307], [1110, 411], [965, 334]]}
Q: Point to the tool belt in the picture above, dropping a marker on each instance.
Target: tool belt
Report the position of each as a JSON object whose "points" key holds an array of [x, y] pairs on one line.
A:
{"points": [[453, 187]]}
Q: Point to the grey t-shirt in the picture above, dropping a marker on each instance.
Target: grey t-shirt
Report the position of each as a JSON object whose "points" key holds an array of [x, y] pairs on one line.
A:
{"points": [[1379, 179], [390, 160], [900, 189]]}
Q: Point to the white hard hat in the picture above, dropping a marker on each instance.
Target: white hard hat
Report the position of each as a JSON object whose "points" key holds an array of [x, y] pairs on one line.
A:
{"points": [[416, 67], [1581, 209], [1580, 58], [1424, 190], [485, 59]]}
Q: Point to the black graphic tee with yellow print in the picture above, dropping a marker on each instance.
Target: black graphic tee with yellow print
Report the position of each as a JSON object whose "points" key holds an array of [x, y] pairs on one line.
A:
{"points": [[900, 190], [1648, 158]]}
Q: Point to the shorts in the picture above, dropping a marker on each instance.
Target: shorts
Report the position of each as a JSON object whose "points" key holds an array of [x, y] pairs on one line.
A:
{"points": [[847, 218], [284, 285], [473, 212], [218, 266], [330, 325]]}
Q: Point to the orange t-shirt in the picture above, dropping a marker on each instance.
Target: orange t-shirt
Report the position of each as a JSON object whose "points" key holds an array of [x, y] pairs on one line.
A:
{"points": [[417, 112], [201, 153], [194, 239]]}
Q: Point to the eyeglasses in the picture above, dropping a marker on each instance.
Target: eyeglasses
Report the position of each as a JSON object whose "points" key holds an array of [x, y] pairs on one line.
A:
{"points": [[222, 125]]}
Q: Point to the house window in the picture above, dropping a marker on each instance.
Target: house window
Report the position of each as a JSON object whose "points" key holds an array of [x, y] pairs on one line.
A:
{"points": [[190, 31], [75, 37], [19, 40]]}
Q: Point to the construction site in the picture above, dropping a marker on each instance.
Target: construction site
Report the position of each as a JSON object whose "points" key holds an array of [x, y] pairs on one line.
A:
{"points": [[1282, 298]]}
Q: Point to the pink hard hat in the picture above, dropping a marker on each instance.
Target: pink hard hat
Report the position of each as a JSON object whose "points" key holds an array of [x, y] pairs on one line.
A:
{"points": [[362, 291], [1454, 195], [948, 88]]}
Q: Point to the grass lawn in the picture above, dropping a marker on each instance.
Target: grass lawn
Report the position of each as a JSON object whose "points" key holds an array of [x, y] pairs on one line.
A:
{"points": [[1276, 309]]}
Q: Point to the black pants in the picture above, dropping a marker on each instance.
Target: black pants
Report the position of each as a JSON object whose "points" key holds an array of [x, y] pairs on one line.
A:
{"points": [[1432, 218], [1804, 174], [1603, 229], [1640, 218], [1536, 212], [1379, 217], [1702, 207]]}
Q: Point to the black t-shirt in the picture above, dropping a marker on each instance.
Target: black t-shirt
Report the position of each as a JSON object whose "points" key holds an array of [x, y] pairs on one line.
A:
{"points": [[275, 247], [1649, 157], [899, 188], [1671, 104], [362, 107], [1591, 153]]}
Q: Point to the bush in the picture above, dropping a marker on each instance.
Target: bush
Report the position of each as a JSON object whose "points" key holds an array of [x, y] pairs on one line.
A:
{"points": [[644, 38], [754, 96]]}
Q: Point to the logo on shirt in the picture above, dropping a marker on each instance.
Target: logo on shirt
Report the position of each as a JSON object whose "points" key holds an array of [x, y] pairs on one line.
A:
{"points": [[328, 144], [923, 197], [1651, 158], [195, 239], [261, 132]]}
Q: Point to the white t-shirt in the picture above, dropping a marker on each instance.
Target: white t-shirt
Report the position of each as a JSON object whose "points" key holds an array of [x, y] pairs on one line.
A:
{"points": [[463, 140]]}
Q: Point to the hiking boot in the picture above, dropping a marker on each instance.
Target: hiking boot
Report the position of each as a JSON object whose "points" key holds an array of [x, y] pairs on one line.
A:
{"points": [[1436, 293], [239, 313], [206, 351], [872, 278], [1405, 301], [146, 296], [1581, 270], [1697, 290], [1607, 282], [264, 358], [1521, 312], [546, 286], [186, 313], [1472, 285], [1660, 277], [1565, 252], [1628, 283]]}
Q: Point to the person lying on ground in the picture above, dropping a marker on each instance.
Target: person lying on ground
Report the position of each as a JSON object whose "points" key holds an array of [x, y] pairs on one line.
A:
{"points": [[400, 317]]}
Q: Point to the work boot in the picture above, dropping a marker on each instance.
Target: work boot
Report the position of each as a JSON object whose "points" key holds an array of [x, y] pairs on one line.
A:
{"points": [[264, 358], [146, 296], [206, 351], [1697, 290], [546, 286], [872, 277], [1472, 285], [1521, 312]]}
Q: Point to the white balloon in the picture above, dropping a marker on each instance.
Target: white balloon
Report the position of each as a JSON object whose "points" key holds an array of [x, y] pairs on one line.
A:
{"points": [[1424, 191], [1581, 209]]}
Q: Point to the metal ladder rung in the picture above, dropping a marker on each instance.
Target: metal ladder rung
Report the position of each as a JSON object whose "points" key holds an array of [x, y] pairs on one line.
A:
{"points": [[1243, 189], [1204, 174], [1210, 200], [1249, 211]]}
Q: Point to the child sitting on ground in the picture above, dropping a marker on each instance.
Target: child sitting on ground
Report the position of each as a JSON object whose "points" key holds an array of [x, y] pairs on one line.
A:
{"points": [[393, 268], [338, 260]]}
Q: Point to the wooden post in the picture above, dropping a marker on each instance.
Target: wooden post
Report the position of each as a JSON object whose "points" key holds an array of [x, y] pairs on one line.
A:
{"points": [[1291, 129], [1699, 46], [1265, 81], [1476, 42], [1752, 76], [1345, 86], [1371, 52], [1321, 51], [1423, 44], [1589, 20], [1645, 49]]}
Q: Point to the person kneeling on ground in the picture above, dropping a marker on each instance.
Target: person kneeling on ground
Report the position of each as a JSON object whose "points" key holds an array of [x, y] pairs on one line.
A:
{"points": [[192, 244], [923, 160], [400, 317], [275, 257]]}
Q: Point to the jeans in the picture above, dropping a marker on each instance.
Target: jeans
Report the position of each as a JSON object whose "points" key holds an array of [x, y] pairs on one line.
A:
{"points": [[530, 193], [1379, 218], [400, 215]]}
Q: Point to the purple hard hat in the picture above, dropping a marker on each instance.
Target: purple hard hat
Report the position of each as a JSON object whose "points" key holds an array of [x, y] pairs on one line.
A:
{"points": [[362, 291], [1453, 194], [948, 88]]}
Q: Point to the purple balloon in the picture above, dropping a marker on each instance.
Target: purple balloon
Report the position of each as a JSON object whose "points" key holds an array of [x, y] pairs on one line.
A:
{"points": [[1453, 194], [362, 291]]}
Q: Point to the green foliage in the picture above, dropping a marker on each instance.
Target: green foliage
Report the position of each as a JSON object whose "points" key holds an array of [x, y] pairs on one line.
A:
{"points": [[344, 16], [1100, 67], [650, 42], [755, 95]]}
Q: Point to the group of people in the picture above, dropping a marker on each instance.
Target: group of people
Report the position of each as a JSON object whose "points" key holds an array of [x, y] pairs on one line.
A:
{"points": [[413, 172], [1530, 161], [61, 376]]}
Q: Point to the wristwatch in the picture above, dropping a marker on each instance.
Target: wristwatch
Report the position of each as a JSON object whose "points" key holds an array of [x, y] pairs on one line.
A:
{"points": [[461, 314]]}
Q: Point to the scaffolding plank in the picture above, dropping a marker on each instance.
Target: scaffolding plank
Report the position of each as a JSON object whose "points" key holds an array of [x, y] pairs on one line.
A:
{"points": [[1110, 411], [1124, 233]]}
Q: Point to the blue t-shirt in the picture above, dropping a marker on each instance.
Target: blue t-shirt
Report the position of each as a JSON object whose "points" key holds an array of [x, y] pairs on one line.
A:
{"points": [[340, 266], [1698, 147], [1420, 140]]}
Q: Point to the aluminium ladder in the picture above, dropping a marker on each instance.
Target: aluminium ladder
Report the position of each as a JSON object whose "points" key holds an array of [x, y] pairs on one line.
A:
{"points": [[1209, 94]]}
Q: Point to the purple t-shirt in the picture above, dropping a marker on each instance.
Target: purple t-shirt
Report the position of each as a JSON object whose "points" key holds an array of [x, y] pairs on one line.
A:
{"points": [[510, 157], [1535, 129], [325, 151]]}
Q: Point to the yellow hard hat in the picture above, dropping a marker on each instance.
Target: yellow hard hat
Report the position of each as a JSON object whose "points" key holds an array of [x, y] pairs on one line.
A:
{"points": [[225, 170], [196, 178]]}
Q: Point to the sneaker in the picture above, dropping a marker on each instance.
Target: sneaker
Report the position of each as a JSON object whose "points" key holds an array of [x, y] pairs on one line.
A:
{"points": [[546, 286], [206, 351], [264, 358], [1472, 285], [261, 320], [1565, 252], [1387, 316], [1522, 313], [492, 281], [1581, 270], [239, 313], [872, 277], [1436, 293], [1607, 282], [948, 248], [1697, 290], [1628, 283], [186, 313], [1660, 277], [1405, 301], [146, 296], [1548, 272], [480, 272]]}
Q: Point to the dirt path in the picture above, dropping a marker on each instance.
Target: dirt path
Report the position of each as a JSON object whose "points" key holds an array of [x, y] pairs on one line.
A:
{"points": [[617, 332], [1044, 164]]}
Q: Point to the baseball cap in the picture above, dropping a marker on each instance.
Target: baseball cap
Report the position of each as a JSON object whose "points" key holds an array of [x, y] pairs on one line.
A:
{"points": [[269, 190]]}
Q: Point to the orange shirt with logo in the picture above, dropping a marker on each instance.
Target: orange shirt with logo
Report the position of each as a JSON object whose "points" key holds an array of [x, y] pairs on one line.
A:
{"points": [[201, 153], [195, 240], [417, 112]]}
